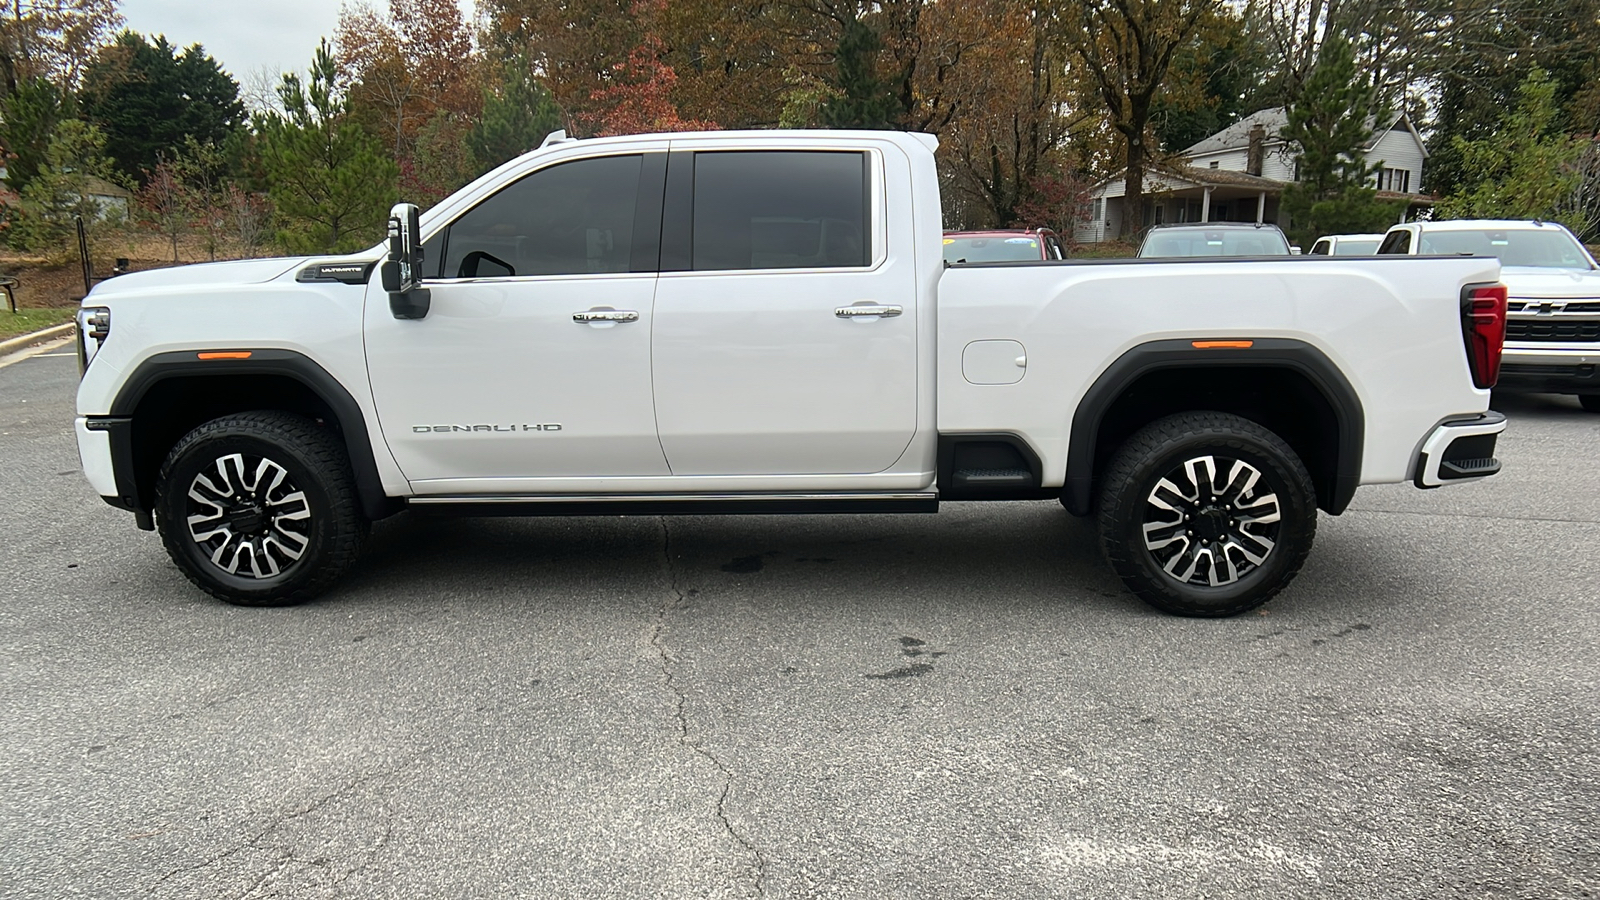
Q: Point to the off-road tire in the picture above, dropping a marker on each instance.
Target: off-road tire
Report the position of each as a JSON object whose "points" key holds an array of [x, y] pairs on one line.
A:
{"points": [[315, 464], [1162, 448]]}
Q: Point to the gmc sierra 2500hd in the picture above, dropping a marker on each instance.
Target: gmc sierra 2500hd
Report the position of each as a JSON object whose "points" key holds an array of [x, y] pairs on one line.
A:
{"points": [[753, 322]]}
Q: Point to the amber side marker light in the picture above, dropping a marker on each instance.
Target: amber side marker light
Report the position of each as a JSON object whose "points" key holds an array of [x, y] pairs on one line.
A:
{"points": [[225, 354], [1222, 345]]}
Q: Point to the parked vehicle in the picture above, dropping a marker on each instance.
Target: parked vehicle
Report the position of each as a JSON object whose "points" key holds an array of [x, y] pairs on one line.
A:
{"points": [[1552, 341], [1346, 245], [761, 322], [1214, 239], [1002, 245]]}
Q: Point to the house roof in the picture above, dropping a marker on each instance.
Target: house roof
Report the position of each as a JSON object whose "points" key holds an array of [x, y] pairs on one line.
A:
{"points": [[1200, 177], [96, 186], [1237, 135], [1223, 177]]}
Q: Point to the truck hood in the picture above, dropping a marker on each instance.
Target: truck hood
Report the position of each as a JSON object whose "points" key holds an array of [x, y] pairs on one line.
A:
{"points": [[222, 274], [1550, 284]]}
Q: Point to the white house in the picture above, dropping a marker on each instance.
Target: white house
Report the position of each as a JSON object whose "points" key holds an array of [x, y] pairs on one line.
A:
{"points": [[1239, 173]]}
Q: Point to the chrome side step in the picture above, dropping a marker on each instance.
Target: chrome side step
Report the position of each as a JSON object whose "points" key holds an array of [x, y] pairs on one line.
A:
{"points": [[671, 504]]}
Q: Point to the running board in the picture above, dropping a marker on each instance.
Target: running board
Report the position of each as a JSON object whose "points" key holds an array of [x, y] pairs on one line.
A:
{"points": [[671, 504]]}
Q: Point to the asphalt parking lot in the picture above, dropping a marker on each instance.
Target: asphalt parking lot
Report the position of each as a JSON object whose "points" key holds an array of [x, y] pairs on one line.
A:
{"points": [[960, 705]]}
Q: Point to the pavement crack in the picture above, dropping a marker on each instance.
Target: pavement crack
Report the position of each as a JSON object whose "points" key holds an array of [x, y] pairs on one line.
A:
{"points": [[285, 856], [669, 676]]}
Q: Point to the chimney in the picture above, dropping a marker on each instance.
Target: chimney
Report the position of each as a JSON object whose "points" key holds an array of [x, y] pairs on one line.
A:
{"points": [[1253, 156]]}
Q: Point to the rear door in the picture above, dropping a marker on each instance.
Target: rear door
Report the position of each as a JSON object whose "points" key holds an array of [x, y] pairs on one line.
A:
{"points": [[785, 330]]}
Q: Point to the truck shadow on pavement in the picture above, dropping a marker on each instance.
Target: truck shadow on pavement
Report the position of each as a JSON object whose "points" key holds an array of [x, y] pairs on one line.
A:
{"points": [[971, 550]]}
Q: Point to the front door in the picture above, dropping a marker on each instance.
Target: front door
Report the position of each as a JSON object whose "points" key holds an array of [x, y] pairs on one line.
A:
{"points": [[534, 359], [786, 345]]}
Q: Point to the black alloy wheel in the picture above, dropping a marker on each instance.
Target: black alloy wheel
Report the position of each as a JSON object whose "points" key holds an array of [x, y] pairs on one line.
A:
{"points": [[259, 508], [1206, 514]]}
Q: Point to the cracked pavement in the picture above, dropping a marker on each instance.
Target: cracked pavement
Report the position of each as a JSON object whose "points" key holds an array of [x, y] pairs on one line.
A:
{"points": [[961, 705]]}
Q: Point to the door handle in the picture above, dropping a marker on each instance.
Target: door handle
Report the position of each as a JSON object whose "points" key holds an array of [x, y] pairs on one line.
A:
{"points": [[606, 315], [851, 312]]}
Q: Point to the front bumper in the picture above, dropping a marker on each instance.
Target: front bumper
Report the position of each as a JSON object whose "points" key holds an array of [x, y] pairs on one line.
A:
{"points": [[105, 448], [1459, 450], [1540, 369]]}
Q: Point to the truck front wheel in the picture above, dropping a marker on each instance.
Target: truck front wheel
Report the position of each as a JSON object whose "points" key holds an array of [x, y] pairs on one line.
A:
{"points": [[260, 508], [1206, 514]]}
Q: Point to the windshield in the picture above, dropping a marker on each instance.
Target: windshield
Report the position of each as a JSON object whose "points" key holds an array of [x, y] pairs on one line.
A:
{"points": [[993, 248], [1178, 242], [1356, 248], [1549, 248]]}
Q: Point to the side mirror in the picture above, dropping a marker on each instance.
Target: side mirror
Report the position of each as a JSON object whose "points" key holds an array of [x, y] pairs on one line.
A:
{"points": [[1294, 250], [402, 271]]}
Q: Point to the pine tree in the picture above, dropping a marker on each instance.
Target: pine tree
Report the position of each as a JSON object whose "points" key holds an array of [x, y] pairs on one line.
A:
{"points": [[150, 98], [863, 99], [517, 115], [330, 182], [1330, 126]]}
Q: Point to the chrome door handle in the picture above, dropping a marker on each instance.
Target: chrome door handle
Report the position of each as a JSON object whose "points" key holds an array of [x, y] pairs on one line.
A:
{"points": [[606, 315], [851, 312]]}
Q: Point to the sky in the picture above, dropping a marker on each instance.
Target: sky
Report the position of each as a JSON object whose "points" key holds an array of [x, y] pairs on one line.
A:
{"points": [[245, 36]]}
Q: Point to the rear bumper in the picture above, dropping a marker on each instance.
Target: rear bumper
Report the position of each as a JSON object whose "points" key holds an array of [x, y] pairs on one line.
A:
{"points": [[1459, 450], [1557, 371]]}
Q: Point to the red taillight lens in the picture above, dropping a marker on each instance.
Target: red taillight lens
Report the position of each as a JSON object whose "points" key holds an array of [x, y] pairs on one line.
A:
{"points": [[1483, 326]]}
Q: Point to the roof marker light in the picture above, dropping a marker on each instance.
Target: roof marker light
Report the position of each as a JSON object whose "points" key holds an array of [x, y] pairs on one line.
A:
{"points": [[224, 354], [1222, 345]]}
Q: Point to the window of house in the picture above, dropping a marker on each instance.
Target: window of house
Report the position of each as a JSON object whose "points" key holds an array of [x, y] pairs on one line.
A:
{"points": [[780, 209], [1215, 163], [1099, 209], [1397, 180]]}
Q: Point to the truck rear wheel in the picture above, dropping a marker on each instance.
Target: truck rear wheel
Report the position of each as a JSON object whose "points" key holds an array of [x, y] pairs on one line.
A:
{"points": [[260, 508], [1206, 514]]}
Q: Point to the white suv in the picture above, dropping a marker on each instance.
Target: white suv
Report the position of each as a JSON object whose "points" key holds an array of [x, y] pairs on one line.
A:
{"points": [[1553, 315]]}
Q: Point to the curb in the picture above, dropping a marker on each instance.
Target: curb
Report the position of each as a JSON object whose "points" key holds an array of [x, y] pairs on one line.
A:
{"points": [[17, 343]]}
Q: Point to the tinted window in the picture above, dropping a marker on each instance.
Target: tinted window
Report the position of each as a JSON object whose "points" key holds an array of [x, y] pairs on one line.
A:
{"points": [[991, 248], [780, 210], [1396, 242], [1355, 248], [575, 218], [1543, 247], [1320, 248]]}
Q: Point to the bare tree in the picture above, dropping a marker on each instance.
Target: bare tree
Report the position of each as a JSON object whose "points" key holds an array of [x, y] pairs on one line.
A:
{"points": [[1127, 47]]}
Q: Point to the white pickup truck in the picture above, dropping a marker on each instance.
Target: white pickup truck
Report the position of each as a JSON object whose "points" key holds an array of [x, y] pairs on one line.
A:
{"points": [[762, 322], [1552, 340]]}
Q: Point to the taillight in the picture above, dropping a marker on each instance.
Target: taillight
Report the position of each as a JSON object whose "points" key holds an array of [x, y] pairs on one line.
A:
{"points": [[1483, 326]]}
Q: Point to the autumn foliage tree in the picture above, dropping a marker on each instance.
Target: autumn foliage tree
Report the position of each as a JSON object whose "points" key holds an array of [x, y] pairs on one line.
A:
{"points": [[407, 64], [639, 100]]}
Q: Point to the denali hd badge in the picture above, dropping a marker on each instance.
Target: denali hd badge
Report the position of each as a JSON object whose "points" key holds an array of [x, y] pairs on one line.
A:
{"points": [[449, 429]]}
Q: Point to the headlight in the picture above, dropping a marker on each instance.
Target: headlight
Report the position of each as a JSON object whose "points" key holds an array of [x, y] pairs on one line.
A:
{"points": [[94, 326]]}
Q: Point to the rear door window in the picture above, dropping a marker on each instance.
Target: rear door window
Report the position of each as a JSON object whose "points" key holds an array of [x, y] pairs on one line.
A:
{"points": [[781, 209]]}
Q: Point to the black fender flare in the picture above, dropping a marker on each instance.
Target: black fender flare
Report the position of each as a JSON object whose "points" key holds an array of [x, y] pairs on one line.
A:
{"points": [[1077, 493], [160, 367]]}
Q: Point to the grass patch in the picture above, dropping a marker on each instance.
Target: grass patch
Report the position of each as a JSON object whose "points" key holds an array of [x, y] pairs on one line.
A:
{"points": [[24, 321], [1105, 250]]}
